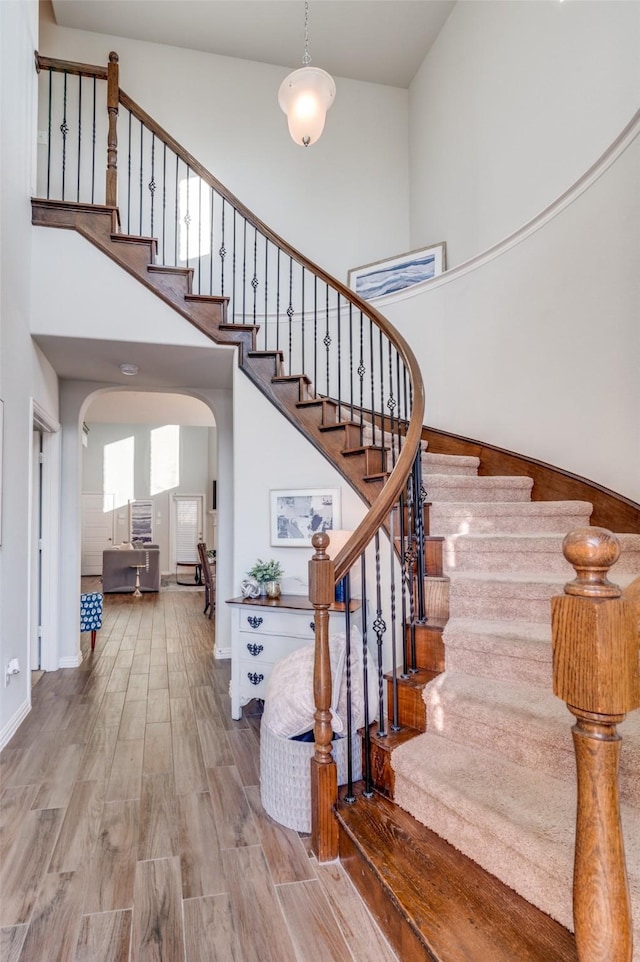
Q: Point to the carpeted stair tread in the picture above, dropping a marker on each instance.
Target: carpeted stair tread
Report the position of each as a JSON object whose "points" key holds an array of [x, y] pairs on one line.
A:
{"points": [[452, 464], [446, 487], [497, 649], [517, 823], [520, 722], [511, 597], [527, 552], [495, 517]]}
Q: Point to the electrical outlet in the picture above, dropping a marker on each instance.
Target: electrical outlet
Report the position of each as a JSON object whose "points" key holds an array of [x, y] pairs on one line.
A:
{"points": [[13, 668]]}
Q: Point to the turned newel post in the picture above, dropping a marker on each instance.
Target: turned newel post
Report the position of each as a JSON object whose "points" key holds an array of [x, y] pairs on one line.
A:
{"points": [[113, 100], [324, 778], [595, 671]]}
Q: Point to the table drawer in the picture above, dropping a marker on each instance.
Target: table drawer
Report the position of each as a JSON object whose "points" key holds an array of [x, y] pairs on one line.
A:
{"points": [[253, 679], [267, 648], [262, 622]]}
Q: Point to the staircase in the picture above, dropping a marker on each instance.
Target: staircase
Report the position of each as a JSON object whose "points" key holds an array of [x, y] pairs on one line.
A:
{"points": [[488, 765]]}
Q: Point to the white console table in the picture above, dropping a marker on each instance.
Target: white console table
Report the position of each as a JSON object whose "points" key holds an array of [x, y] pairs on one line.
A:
{"points": [[265, 630]]}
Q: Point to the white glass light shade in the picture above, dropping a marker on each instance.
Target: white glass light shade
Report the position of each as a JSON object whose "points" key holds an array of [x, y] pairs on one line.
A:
{"points": [[305, 96]]}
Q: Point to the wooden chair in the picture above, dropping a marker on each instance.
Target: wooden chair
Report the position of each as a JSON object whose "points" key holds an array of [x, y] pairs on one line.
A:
{"points": [[208, 578]]}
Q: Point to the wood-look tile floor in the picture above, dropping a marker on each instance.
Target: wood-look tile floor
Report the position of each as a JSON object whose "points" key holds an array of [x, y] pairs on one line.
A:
{"points": [[131, 828]]}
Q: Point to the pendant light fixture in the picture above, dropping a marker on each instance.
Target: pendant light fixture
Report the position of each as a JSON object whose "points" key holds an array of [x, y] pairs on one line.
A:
{"points": [[306, 95]]}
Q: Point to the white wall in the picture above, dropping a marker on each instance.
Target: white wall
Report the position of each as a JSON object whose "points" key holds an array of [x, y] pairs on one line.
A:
{"points": [[511, 105], [24, 372], [537, 350], [342, 201]]}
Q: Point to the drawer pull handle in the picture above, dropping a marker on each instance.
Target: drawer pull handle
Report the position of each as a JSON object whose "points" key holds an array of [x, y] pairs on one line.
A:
{"points": [[312, 625], [254, 649], [254, 678], [254, 621]]}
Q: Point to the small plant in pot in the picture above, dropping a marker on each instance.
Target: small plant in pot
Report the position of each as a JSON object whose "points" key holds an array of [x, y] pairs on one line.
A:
{"points": [[268, 575]]}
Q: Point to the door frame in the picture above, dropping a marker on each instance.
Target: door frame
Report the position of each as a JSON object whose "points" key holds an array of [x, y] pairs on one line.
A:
{"points": [[172, 522], [41, 420]]}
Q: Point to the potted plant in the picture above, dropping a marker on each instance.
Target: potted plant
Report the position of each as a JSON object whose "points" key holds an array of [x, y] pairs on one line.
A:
{"points": [[268, 575]]}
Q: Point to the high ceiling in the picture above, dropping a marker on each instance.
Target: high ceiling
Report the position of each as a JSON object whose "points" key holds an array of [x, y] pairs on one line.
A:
{"points": [[379, 41]]}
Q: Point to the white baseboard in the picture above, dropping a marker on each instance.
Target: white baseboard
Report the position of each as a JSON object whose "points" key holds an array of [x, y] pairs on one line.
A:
{"points": [[70, 661], [221, 654], [14, 723]]}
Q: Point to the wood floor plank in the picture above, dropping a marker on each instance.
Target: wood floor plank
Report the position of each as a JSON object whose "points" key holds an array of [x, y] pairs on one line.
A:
{"points": [[188, 766], [209, 930], [257, 915], [11, 942], [158, 677], [35, 764], [158, 818], [118, 679], [157, 657], [104, 937], [126, 770], [178, 684], [14, 805], [110, 709], [234, 820], [214, 743], [21, 875], [158, 706], [204, 704], [137, 688], [311, 924], [141, 661], [110, 875], [284, 851], [98, 756], [53, 931], [183, 719], [158, 749], [358, 926], [200, 861], [245, 752], [132, 722], [80, 827], [157, 924], [55, 790]]}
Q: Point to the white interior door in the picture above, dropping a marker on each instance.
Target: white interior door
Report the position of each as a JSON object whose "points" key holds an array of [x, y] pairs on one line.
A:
{"points": [[36, 551], [97, 531], [186, 527]]}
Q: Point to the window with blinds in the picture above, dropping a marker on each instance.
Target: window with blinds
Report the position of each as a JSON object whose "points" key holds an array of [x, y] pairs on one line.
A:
{"points": [[187, 527]]}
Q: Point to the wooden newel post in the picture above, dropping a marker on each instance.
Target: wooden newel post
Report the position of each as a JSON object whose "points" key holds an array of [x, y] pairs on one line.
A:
{"points": [[324, 777], [113, 101], [595, 671]]}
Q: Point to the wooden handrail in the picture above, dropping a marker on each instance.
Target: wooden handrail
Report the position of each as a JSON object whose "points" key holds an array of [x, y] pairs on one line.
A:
{"points": [[71, 67], [596, 672]]}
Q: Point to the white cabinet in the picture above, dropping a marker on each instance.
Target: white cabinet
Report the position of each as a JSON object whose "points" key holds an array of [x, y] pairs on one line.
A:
{"points": [[265, 630]]}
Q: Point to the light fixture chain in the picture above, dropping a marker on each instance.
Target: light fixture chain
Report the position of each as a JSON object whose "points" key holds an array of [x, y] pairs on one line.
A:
{"points": [[306, 59]]}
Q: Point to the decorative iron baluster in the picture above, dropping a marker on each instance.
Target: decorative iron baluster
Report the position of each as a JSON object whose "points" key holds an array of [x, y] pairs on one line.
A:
{"points": [[315, 335], [418, 506], [211, 233], [266, 290], [381, 358], [152, 183], [233, 266], [164, 203], [404, 582], [79, 135], [302, 325], [351, 411], [49, 133], [187, 216], [290, 313], [64, 130], [327, 340], [391, 406], [411, 556], [177, 215], [141, 176], [254, 279], [223, 250], [392, 592], [368, 779], [199, 235], [244, 270], [373, 384], [346, 582], [379, 626], [93, 145], [361, 373], [129, 188], [278, 301]]}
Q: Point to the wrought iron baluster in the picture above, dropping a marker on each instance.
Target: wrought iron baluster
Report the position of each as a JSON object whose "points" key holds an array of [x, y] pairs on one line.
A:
{"points": [[254, 279], [129, 188], [152, 182], [392, 592], [351, 411], [266, 290], [141, 175], [381, 359], [410, 556], [379, 626], [373, 384], [211, 234], [361, 373], [368, 780], [244, 270], [223, 251], [278, 301], [327, 340], [302, 325], [93, 144], [79, 136], [49, 133], [315, 335], [64, 130], [419, 523], [164, 204], [187, 216], [176, 229], [391, 406], [403, 578], [199, 235], [233, 266], [339, 356], [290, 316], [350, 797]]}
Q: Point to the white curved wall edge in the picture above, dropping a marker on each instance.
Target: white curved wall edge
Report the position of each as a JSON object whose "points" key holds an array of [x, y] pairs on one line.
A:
{"points": [[14, 723], [609, 157]]}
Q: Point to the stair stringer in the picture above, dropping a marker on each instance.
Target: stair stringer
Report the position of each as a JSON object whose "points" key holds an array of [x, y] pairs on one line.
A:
{"points": [[99, 225]]}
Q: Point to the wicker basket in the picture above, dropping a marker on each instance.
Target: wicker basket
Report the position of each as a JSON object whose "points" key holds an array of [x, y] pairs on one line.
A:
{"points": [[285, 776]]}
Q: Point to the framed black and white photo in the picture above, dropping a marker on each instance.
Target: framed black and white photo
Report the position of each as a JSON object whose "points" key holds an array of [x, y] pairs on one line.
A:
{"points": [[398, 273], [141, 521], [296, 515]]}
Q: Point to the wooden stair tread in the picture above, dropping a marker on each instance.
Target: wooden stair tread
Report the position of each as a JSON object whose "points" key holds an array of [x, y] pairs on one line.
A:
{"points": [[435, 903], [217, 299], [415, 679], [168, 269]]}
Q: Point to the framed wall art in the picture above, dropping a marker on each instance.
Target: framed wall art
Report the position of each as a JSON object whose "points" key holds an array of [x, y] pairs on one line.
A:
{"points": [[141, 521], [398, 273], [296, 515]]}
